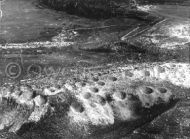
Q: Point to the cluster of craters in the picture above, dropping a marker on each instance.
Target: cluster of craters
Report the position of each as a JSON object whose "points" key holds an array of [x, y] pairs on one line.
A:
{"points": [[23, 94], [19, 105], [150, 95], [176, 73], [103, 99]]}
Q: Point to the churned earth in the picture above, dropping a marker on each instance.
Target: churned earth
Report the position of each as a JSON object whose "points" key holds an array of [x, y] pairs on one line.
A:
{"points": [[67, 76]]}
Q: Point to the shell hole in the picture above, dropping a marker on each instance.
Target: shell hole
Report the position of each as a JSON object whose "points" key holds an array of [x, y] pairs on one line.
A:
{"points": [[148, 90], [87, 95], [83, 84], [109, 97], [101, 100], [99, 74], [163, 90], [101, 83], [77, 106], [113, 78], [147, 73], [123, 95], [95, 79], [132, 97], [94, 89]]}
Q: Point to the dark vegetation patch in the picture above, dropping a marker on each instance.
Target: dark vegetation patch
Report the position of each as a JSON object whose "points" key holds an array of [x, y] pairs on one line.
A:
{"points": [[91, 8]]}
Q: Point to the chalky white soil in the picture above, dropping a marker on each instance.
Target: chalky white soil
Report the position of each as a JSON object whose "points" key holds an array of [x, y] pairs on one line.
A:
{"points": [[175, 73], [169, 34], [120, 85], [102, 96]]}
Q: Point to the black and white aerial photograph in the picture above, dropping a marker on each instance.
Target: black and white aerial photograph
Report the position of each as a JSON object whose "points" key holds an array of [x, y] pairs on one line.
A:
{"points": [[94, 69]]}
